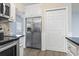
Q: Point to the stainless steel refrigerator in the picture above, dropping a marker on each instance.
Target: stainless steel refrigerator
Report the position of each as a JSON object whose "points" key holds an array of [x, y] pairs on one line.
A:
{"points": [[33, 32]]}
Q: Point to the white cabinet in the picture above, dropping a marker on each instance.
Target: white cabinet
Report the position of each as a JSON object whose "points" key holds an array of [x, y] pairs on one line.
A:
{"points": [[73, 49], [33, 10], [21, 50], [12, 12]]}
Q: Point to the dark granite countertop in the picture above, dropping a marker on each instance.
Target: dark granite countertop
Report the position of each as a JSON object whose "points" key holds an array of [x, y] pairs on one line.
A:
{"points": [[73, 39], [8, 39]]}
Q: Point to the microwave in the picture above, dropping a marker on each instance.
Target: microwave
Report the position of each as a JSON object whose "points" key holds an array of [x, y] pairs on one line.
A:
{"points": [[1, 9], [4, 10]]}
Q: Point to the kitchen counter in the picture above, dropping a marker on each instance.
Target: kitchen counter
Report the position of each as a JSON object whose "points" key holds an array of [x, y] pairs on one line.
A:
{"points": [[73, 39], [8, 39]]}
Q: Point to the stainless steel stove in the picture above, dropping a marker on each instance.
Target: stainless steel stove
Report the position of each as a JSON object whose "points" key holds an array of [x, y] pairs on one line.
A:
{"points": [[9, 49]]}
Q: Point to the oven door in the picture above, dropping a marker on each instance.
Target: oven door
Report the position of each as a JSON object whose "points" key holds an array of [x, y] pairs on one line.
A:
{"points": [[10, 49]]}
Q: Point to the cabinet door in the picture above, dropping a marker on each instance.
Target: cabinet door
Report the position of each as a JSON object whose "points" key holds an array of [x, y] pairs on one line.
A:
{"points": [[78, 51], [21, 49], [72, 48], [12, 12], [21, 40]]}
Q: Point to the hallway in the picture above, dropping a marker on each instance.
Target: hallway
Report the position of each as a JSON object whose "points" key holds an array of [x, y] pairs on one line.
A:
{"points": [[35, 52]]}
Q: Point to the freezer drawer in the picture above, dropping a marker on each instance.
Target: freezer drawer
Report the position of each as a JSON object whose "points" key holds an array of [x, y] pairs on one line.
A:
{"points": [[36, 40]]}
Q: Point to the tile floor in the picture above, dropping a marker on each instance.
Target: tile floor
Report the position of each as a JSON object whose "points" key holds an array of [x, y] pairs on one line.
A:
{"points": [[36, 52]]}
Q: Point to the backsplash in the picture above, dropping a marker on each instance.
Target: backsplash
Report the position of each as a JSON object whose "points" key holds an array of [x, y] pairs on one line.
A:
{"points": [[5, 27]]}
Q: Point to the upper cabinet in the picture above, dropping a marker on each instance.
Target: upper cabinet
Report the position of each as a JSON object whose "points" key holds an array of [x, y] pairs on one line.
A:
{"points": [[33, 10], [12, 12], [7, 11], [4, 10]]}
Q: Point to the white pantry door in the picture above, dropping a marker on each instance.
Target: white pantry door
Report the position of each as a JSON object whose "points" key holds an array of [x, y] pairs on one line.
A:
{"points": [[55, 29]]}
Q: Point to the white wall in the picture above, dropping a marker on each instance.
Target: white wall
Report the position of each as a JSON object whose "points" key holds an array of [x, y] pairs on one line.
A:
{"points": [[75, 19], [21, 8]]}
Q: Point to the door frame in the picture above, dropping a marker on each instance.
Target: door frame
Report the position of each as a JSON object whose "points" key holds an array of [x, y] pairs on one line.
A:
{"points": [[67, 13]]}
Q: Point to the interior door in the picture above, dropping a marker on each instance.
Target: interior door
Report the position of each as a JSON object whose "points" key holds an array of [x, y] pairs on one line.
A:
{"points": [[55, 29], [36, 33]]}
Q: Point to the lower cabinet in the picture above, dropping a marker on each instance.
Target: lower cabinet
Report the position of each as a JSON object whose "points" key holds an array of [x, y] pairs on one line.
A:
{"points": [[73, 49], [21, 50]]}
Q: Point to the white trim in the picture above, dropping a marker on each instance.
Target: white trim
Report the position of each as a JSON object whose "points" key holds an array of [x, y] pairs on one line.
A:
{"points": [[24, 33], [56, 8]]}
